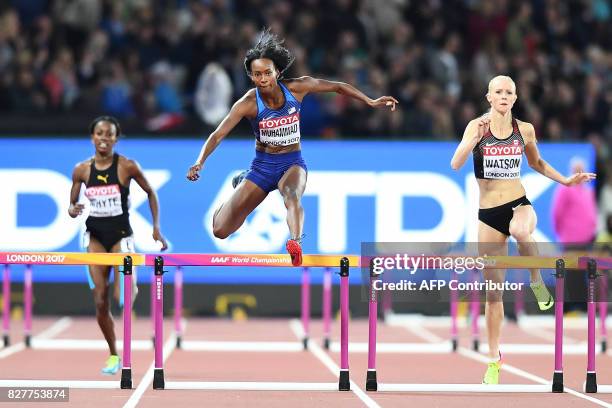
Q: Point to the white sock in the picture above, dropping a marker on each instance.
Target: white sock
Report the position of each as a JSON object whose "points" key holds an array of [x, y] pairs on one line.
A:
{"points": [[495, 359]]}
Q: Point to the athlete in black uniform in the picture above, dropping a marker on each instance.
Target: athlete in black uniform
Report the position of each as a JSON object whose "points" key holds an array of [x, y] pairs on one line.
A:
{"points": [[498, 141], [107, 178]]}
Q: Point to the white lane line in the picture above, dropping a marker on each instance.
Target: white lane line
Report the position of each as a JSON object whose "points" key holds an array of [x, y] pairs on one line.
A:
{"points": [[15, 348], [314, 348], [147, 379], [423, 333], [85, 344], [521, 373], [55, 329]]}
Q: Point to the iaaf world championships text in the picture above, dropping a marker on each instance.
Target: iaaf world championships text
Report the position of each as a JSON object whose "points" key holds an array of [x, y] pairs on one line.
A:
{"points": [[412, 263]]}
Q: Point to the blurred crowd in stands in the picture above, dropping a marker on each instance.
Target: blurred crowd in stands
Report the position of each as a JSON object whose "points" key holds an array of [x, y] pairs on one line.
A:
{"points": [[176, 65]]}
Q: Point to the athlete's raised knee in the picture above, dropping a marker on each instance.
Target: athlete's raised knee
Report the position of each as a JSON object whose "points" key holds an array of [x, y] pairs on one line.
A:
{"points": [[220, 232], [291, 196], [520, 232]]}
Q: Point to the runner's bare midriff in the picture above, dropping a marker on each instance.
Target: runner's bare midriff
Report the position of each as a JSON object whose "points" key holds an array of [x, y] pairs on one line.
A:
{"points": [[266, 148], [498, 192]]}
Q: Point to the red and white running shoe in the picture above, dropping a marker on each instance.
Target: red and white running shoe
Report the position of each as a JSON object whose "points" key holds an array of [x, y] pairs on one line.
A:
{"points": [[294, 248]]}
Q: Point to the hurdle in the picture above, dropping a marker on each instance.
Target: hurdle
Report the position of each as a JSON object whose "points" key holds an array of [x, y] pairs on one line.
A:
{"points": [[68, 258], [272, 260], [592, 266], [6, 305], [326, 307], [603, 312], [559, 265], [305, 309], [305, 306], [178, 306]]}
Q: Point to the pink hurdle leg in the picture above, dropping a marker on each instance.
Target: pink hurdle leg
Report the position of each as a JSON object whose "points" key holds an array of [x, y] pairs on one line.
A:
{"points": [[178, 305], [591, 379], [305, 306], [559, 288], [27, 283], [344, 381], [158, 373], [327, 306], [126, 370], [603, 311], [453, 312], [371, 381], [152, 308], [475, 313], [6, 305]]}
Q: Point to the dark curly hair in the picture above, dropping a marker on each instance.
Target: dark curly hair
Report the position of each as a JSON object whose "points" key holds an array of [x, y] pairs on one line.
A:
{"points": [[269, 46], [109, 119]]}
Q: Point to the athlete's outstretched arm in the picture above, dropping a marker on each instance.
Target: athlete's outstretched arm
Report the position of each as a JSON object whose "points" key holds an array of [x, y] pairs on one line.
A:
{"points": [[135, 172], [305, 85], [474, 131], [240, 109], [537, 163], [75, 209]]}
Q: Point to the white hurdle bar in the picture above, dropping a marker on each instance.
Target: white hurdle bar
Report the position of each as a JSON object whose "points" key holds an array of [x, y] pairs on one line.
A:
{"points": [[556, 385], [61, 384], [252, 346], [249, 386], [592, 266], [159, 382], [85, 344], [477, 388], [66, 258]]}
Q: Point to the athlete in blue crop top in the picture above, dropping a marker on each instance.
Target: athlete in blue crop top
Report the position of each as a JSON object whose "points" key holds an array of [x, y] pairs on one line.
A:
{"points": [[504, 209], [273, 109], [107, 177]]}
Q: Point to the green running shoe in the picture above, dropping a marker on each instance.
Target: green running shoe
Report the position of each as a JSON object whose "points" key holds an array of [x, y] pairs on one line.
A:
{"points": [[542, 295], [492, 374], [113, 364]]}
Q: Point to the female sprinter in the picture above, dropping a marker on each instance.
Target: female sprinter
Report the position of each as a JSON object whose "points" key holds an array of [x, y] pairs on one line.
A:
{"points": [[273, 109], [107, 177], [498, 141]]}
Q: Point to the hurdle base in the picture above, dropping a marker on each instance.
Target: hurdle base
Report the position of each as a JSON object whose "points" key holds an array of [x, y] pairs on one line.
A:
{"points": [[326, 343], [126, 378], [344, 382], [179, 342], [371, 382], [455, 344], [28, 341], [158, 379], [591, 383], [6, 340], [604, 346], [305, 343], [557, 385], [475, 344]]}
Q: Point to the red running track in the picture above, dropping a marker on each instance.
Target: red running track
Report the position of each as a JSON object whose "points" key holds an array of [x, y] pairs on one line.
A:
{"points": [[303, 366]]}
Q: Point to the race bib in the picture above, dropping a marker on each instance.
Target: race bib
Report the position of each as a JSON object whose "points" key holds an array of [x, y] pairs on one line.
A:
{"points": [[105, 201], [502, 161], [281, 131]]}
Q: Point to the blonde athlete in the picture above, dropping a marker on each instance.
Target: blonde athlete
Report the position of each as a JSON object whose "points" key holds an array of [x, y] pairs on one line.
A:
{"points": [[498, 140]]}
